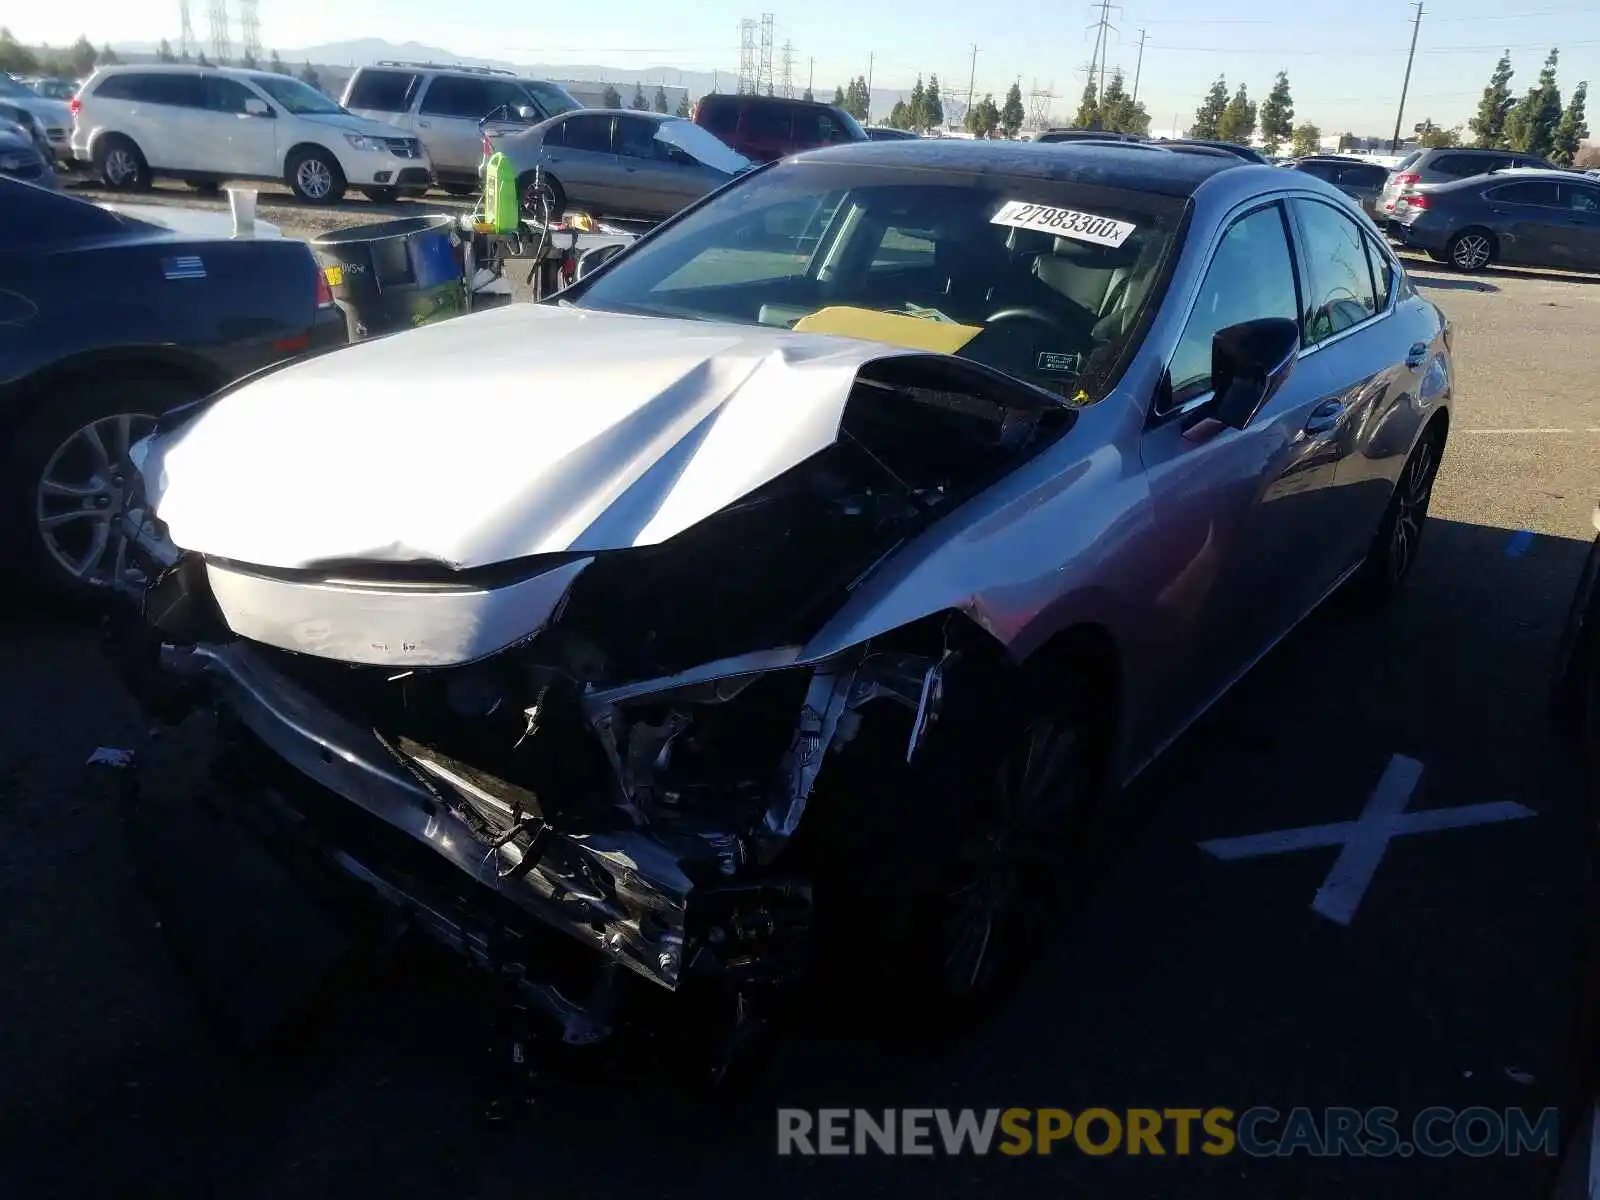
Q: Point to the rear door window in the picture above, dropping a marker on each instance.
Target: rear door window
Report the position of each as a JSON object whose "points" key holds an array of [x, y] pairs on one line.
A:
{"points": [[158, 87], [817, 127], [1342, 292], [587, 132], [470, 99], [227, 95], [636, 137], [1460, 166], [1581, 199], [1539, 192], [1321, 170], [1362, 176], [771, 121], [383, 91]]}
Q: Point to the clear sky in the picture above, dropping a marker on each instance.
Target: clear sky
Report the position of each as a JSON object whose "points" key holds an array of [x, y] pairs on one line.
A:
{"points": [[1345, 59]]}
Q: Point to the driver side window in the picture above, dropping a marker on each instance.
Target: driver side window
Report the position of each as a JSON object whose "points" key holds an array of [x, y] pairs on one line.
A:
{"points": [[1251, 275]]}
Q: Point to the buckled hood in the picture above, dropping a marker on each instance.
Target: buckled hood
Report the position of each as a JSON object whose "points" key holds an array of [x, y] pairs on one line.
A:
{"points": [[520, 431]]}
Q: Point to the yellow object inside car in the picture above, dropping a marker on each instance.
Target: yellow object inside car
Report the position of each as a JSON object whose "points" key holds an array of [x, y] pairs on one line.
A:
{"points": [[913, 333]]}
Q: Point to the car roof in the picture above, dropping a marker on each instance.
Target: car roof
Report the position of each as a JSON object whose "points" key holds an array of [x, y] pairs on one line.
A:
{"points": [[746, 98], [1107, 164], [1519, 175]]}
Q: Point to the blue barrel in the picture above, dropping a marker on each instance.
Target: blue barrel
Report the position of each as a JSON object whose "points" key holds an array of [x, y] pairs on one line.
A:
{"points": [[394, 275]]}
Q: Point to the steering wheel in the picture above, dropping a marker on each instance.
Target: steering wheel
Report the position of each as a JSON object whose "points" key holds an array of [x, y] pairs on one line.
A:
{"points": [[1027, 312]]}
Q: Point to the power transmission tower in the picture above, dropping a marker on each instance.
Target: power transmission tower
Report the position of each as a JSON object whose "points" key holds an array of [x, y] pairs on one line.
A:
{"points": [[250, 29], [1416, 24], [1039, 101], [221, 43], [972, 76], [765, 81], [186, 38], [788, 69], [1102, 42], [747, 56], [1138, 67]]}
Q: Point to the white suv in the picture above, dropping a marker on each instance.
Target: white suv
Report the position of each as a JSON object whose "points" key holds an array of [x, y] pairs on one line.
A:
{"points": [[209, 124]]}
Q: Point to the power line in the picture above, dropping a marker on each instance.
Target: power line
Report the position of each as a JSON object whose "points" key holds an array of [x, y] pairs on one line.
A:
{"points": [[1485, 48], [1416, 25]]}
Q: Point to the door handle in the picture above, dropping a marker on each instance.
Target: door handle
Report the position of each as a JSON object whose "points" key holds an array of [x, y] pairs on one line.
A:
{"points": [[1417, 355], [1325, 416], [424, 125]]}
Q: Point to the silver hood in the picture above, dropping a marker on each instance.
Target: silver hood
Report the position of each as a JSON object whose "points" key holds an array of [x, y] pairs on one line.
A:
{"points": [[519, 431]]}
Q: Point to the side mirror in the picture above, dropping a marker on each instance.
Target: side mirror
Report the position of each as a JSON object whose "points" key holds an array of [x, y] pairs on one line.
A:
{"points": [[598, 257], [257, 108], [527, 114], [1249, 363]]}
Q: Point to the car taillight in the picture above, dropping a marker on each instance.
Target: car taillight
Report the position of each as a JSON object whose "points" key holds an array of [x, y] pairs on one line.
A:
{"points": [[75, 106], [1417, 201], [324, 292], [1407, 180]]}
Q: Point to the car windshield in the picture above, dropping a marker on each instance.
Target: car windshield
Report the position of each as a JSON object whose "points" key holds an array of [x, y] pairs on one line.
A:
{"points": [[698, 144], [1045, 280], [552, 99], [299, 99]]}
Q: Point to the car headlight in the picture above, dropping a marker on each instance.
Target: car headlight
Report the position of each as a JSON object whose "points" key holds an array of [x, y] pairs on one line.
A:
{"points": [[358, 142]]}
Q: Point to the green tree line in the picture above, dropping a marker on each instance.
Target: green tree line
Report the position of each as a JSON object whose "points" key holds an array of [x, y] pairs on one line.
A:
{"points": [[1536, 122], [76, 61]]}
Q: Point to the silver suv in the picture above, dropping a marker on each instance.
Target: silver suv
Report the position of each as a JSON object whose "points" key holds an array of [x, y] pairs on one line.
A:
{"points": [[443, 106], [1445, 166]]}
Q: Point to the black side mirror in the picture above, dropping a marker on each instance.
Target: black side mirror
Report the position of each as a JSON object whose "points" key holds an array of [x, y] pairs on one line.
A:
{"points": [[598, 257], [1249, 363]]}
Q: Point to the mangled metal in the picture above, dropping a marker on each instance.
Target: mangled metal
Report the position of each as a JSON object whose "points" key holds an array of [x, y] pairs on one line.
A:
{"points": [[617, 730]]}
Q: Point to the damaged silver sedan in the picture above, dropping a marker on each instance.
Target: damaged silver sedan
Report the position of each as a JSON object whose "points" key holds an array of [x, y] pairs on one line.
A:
{"points": [[794, 583]]}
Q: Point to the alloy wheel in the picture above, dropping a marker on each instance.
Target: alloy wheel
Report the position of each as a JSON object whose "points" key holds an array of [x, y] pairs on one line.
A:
{"points": [[80, 497], [1411, 509], [1471, 251], [121, 168], [314, 179], [1009, 860]]}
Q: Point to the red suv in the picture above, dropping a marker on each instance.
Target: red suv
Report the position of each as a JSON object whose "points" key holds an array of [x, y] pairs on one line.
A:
{"points": [[763, 128]]}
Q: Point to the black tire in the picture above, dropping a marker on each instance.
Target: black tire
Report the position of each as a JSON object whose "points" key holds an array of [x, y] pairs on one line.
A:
{"points": [[1395, 546], [112, 156], [460, 189], [902, 866], [314, 176], [51, 432], [1471, 250], [556, 195], [381, 195], [206, 189]]}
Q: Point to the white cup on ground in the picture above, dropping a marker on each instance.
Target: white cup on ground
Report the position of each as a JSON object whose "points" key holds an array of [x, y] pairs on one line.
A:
{"points": [[243, 203]]}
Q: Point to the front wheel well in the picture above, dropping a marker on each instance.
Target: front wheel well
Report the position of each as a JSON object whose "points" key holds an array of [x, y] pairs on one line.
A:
{"points": [[19, 400], [317, 148]]}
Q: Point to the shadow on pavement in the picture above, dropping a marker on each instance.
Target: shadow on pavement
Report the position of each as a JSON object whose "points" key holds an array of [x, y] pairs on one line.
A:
{"points": [[1173, 982]]}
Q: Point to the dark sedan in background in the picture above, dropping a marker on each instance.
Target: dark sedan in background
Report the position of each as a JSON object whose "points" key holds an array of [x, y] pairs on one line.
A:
{"points": [[1521, 218], [22, 158], [618, 163], [1362, 181], [106, 322]]}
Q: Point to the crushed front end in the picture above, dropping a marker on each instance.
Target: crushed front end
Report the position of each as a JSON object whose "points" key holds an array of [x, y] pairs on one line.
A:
{"points": [[614, 746]]}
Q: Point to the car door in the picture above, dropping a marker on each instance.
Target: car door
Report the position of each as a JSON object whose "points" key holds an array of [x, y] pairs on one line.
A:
{"points": [[1370, 362], [1235, 507], [243, 143], [1528, 222], [579, 153], [648, 183], [448, 112], [1583, 207], [168, 120]]}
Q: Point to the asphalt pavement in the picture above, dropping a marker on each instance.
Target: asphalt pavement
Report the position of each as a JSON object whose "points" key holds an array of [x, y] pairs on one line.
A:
{"points": [[1413, 957]]}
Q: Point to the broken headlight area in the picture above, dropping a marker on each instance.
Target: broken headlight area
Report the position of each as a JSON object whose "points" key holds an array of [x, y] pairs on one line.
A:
{"points": [[632, 771]]}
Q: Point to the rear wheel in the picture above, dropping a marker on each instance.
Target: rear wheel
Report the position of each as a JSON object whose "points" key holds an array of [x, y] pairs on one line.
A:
{"points": [[1394, 548], [120, 164], [546, 201], [314, 176], [1471, 250]]}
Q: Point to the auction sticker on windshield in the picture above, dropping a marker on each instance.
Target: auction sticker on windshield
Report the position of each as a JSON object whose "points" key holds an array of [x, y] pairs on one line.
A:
{"points": [[1065, 222]]}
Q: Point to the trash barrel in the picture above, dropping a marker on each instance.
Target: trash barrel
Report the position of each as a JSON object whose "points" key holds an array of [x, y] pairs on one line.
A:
{"points": [[394, 275]]}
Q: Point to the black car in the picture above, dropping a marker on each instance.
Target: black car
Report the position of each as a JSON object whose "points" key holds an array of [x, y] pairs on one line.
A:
{"points": [[21, 158], [106, 322], [1086, 135], [1212, 146], [883, 133], [1575, 682], [31, 126], [1521, 218]]}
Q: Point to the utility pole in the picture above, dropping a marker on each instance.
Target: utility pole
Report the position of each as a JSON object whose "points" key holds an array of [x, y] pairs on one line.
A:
{"points": [[1138, 66], [1394, 143], [811, 77], [1102, 44], [870, 58], [972, 78]]}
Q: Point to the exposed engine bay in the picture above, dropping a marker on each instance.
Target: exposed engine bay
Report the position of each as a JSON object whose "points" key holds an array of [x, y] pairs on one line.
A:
{"points": [[632, 772]]}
